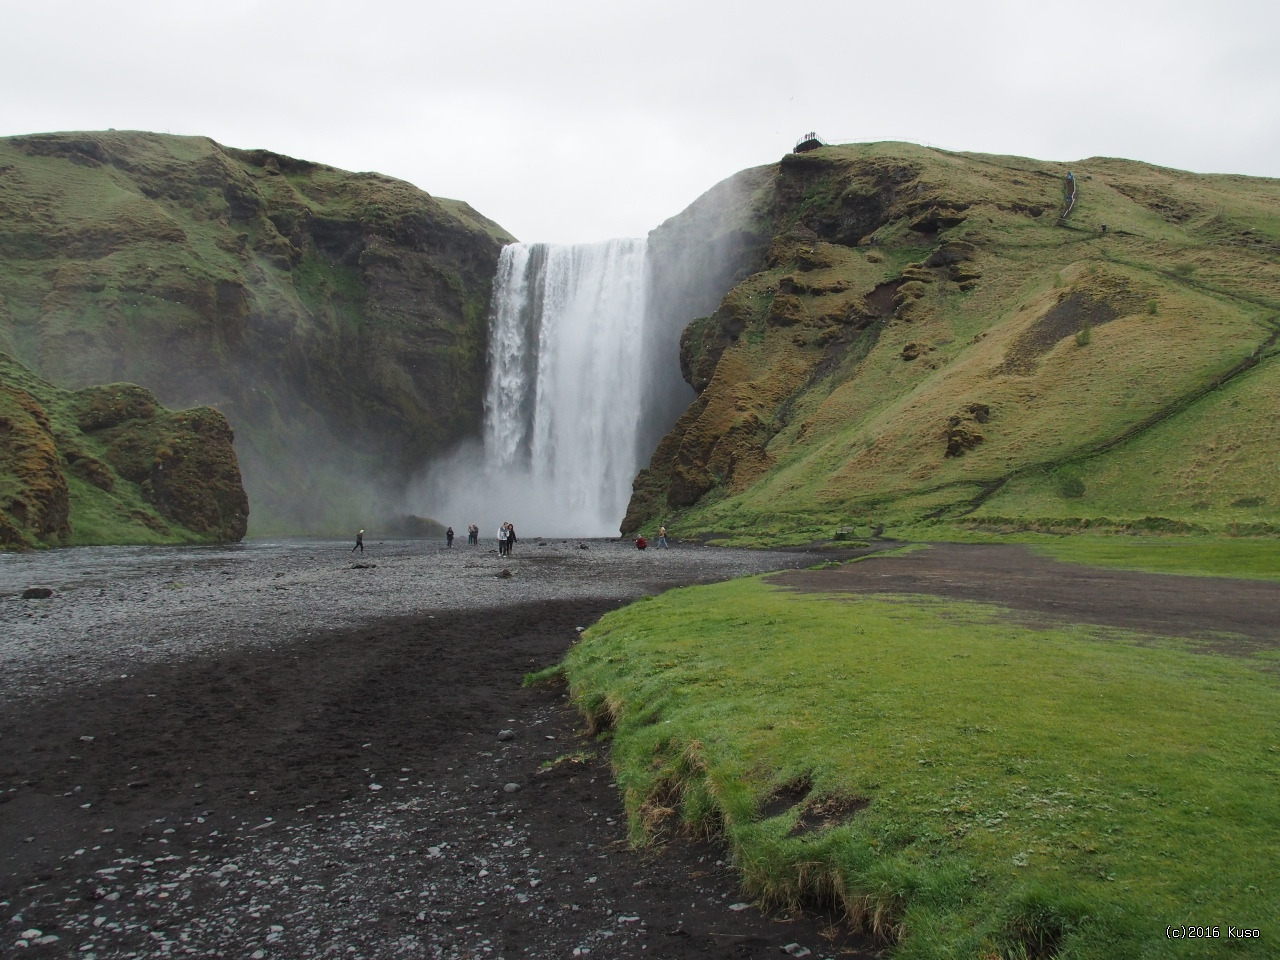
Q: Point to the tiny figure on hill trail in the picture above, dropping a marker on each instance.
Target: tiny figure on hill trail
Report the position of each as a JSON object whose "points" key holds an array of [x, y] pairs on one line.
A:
{"points": [[448, 537], [662, 538], [359, 542], [641, 543]]}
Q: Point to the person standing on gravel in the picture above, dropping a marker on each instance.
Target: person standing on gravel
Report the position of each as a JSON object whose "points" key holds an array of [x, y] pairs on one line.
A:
{"points": [[502, 540], [448, 537], [511, 537], [662, 538], [359, 542]]}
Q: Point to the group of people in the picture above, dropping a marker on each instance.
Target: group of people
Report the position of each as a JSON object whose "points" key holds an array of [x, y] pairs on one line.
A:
{"points": [[642, 543], [506, 539]]}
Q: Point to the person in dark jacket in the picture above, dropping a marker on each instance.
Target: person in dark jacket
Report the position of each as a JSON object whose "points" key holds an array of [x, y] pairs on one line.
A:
{"points": [[359, 542]]}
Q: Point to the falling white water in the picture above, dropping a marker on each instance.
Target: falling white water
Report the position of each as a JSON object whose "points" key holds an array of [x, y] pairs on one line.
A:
{"points": [[567, 369]]}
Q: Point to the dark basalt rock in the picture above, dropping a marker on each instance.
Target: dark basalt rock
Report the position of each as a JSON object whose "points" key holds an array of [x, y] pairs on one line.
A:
{"points": [[937, 218], [913, 350], [951, 252]]}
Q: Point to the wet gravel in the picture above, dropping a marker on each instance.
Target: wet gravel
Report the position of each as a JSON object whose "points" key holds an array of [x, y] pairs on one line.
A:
{"points": [[266, 751], [114, 607]]}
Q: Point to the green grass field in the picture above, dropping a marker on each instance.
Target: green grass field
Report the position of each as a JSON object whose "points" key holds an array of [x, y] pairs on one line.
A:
{"points": [[1253, 559], [997, 790]]}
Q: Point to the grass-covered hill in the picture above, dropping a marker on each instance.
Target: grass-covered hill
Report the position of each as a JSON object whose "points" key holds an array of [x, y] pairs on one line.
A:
{"points": [[108, 464], [337, 319], [926, 340]]}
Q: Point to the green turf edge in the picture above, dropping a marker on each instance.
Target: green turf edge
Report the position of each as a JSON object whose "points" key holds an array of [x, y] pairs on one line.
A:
{"points": [[684, 680]]}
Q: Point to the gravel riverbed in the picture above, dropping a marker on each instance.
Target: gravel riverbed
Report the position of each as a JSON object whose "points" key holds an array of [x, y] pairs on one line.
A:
{"points": [[117, 606], [284, 749]]}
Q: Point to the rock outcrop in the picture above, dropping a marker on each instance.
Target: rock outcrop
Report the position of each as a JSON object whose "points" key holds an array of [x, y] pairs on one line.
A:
{"points": [[108, 464]]}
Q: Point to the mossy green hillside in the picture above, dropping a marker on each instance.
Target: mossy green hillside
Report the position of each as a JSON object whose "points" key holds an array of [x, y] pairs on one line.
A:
{"points": [[337, 319], [925, 340], [960, 781], [108, 464]]}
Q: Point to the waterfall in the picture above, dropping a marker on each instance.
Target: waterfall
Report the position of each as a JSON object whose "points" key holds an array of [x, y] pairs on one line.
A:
{"points": [[568, 366], [584, 368], [564, 396]]}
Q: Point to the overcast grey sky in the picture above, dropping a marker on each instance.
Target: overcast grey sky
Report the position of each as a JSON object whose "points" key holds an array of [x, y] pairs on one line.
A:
{"points": [[573, 121]]}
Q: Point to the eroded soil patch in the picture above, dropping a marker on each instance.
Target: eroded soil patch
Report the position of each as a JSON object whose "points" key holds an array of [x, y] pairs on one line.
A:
{"points": [[828, 812], [1067, 317]]}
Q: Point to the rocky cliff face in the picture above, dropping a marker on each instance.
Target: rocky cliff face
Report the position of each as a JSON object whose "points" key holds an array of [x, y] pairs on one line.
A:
{"points": [[337, 319], [108, 464], [693, 259], [918, 337]]}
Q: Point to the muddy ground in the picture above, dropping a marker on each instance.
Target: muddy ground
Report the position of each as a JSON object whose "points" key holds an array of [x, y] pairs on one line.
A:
{"points": [[1222, 615]]}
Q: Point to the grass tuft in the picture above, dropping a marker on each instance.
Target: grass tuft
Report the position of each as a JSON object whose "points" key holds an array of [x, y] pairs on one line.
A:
{"points": [[546, 677]]}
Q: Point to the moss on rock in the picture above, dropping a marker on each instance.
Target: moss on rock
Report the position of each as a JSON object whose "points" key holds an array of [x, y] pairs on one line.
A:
{"points": [[145, 474], [894, 283], [33, 489], [338, 319]]}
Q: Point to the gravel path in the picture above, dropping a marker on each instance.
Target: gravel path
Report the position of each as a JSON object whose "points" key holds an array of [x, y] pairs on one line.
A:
{"points": [[265, 751]]}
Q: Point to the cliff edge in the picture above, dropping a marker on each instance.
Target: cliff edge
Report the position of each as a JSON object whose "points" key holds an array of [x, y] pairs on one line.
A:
{"points": [[338, 320], [926, 338]]}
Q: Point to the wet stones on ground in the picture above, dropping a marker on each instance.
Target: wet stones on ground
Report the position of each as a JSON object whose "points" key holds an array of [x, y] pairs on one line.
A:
{"points": [[384, 788]]}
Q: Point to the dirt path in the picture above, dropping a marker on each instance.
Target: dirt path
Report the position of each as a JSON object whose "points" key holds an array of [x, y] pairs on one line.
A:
{"points": [[352, 793], [1228, 616]]}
